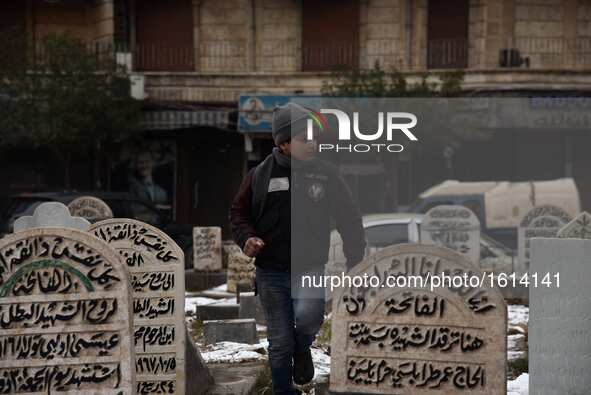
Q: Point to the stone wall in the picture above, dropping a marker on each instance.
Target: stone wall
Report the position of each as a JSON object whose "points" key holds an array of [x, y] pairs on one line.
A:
{"points": [[90, 23], [381, 33], [278, 35], [224, 35]]}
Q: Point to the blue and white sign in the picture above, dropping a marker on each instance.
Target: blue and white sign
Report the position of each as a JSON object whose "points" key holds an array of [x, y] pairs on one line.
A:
{"points": [[256, 111]]}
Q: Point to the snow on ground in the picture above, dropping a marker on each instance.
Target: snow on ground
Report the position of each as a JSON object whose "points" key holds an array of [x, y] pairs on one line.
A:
{"points": [[515, 346], [193, 301], [517, 313], [230, 352], [220, 288], [519, 386], [321, 365]]}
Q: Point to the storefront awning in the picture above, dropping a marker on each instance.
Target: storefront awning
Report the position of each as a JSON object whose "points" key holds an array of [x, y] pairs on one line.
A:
{"points": [[169, 120]]}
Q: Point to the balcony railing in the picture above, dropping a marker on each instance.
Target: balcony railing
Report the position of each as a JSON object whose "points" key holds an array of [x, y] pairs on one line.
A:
{"points": [[551, 53], [326, 56], [149, 57], [447, 53], [533, 53]]}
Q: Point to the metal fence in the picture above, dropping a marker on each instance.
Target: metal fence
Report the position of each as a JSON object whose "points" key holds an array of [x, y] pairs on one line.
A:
{"points": [[535, 53]]}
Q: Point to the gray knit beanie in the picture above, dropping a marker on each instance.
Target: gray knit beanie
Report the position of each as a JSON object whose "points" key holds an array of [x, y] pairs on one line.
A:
{"points": [[288, 121]]}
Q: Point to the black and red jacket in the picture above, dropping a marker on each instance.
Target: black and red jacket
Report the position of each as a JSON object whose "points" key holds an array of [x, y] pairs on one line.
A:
{"points": [[295, 223]]}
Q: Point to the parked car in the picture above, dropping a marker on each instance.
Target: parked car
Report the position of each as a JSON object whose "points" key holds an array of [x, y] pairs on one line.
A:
{"points": [[500, 205], [382, 230], [123, 205]]}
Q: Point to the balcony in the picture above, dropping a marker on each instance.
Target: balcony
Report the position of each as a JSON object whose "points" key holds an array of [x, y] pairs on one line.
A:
{"points": [[447, 54], [222, 70]]}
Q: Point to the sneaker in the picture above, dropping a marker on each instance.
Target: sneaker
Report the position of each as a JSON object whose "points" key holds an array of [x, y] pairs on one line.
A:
{"points": [[303, 368]]}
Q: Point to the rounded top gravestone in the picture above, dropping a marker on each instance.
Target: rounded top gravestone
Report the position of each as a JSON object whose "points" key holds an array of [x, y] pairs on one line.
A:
{"points": [[540, 221], [454, 227], [91, 208], [65, 315], [404, 337], [578, 228], [156, 266]]}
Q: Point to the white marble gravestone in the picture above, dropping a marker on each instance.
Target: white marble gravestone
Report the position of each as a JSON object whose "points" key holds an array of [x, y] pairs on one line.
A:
{"points": [[454, 227], [207, 248], [541, 221], [578, 228], [559, 335], [411, 340], [65, 315], [91, 208], [156, 266], [50, 214]]}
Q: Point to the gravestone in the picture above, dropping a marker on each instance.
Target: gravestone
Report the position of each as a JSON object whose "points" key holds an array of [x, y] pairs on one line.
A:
{"points": [[156, 266], [251, 307], [50, 214], [238, 331], [65, 315], [541, 221], [559, 334], [411, 340], [454, 227], [207, 248], [91, 208], [241, 268], [578, 228]]}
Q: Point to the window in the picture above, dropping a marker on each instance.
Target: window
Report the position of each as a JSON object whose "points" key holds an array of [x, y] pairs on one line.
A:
{"points": [[326, 46], [385, 235], [447, 34]]}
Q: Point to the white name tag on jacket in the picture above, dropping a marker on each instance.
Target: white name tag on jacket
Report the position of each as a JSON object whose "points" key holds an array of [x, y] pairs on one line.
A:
{"points": [[278, 184]]}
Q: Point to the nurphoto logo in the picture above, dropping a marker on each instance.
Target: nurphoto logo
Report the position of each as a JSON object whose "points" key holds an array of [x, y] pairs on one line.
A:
{"points": [[395, 122]]}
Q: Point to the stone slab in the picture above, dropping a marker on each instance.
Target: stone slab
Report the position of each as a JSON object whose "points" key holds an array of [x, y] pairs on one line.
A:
{"points": [[200, 281], [91, 208], [218, 311], [578, 228], [50, 214], [414, 340], [540, 221], [199, 377], [236, 379], [239, 331], [241, 268], [207, 248], [559, 333], [250, 307], [65, 315], [454, 227], [157, 274]]}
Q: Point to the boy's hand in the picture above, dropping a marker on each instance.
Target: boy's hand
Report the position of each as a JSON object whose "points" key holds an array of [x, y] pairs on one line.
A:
{"points": [[253, 246]]}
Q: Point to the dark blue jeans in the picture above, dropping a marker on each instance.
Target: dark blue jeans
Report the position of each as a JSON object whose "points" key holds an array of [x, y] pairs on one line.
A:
{"points": [[292, 325]]}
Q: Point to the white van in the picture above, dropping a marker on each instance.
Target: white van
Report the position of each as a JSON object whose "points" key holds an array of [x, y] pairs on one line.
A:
{"points": [[500, 205]]}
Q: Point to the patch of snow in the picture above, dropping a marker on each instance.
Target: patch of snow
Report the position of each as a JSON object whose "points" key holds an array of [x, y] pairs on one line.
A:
{"points": [[230, 352], [321, 365], [517, 313], [220, 288], [193, 301], [514, 342], [519, 386]]}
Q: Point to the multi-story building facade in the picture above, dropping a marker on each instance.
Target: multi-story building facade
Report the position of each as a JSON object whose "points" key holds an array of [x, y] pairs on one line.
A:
{"points": [[194, 58]]}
